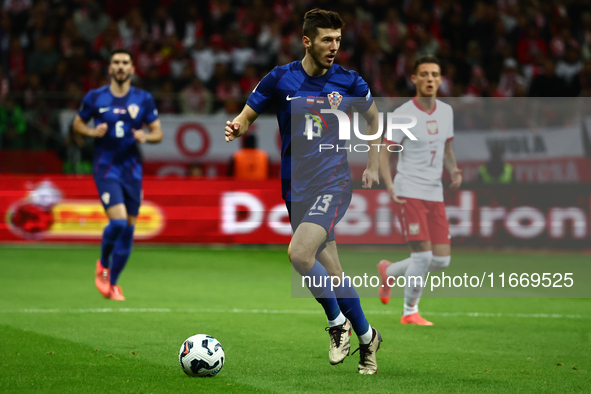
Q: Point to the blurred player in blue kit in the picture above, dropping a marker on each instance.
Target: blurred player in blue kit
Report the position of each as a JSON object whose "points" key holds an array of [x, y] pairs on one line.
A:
{"points": [[119, 111], [316, 186]]}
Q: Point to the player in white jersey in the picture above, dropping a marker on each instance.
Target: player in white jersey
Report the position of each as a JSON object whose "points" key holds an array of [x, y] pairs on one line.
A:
{"points": [[417, 190]]}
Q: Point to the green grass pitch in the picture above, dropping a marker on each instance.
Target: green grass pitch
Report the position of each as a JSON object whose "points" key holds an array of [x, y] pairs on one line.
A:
{"points": [[57, 334]]}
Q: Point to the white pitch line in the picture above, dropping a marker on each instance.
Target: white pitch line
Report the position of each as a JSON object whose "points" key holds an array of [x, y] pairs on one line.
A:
{"points": [[288, 312]]}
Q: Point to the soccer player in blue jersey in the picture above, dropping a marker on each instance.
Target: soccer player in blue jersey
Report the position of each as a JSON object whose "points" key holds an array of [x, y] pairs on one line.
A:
{"points": [[119, 111], [316, 186]]}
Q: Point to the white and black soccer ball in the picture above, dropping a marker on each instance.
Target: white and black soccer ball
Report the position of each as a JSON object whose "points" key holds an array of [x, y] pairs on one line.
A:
{"points": [[202, 355]]}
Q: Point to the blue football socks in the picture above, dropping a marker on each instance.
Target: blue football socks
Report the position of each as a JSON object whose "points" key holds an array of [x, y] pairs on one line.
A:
{"points": [[110, 234], [121, 253], [348, 301], [321, 290]]}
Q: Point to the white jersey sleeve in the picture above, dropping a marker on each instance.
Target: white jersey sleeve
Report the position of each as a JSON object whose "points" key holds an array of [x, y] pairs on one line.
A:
{"points": [[451, 126], [397, 136]]}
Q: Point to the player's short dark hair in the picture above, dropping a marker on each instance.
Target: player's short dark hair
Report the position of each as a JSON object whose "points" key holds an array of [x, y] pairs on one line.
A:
{"points": [[323, 19], [423, 60], [120, 50]]}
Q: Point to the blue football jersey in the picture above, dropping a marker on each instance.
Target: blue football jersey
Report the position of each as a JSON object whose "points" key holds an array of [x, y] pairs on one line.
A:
{"points": [[305, 170], [117, 155]]}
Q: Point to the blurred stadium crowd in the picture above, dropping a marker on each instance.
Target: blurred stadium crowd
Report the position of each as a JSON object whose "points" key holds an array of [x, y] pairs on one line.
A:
{"points": [[204, 56]]}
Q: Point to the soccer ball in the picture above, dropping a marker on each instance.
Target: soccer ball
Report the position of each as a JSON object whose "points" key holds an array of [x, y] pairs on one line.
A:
{"points": [[202, 355]]}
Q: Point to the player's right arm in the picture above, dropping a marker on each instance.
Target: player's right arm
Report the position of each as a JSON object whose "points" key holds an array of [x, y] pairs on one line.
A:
{"points": [[259, 101], [239, 126], [82, 128], [85, 112], [397, 137], [386, 174]]}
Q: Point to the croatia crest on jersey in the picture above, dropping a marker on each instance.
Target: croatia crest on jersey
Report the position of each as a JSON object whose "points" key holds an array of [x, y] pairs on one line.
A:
{"points": [[133, 109], [334, 99]]}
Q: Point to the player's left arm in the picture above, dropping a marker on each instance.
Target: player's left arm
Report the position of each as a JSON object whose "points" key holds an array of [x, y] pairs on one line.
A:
{"points": [[151, 119], [371, 174], [154, 136], [449, 161]]}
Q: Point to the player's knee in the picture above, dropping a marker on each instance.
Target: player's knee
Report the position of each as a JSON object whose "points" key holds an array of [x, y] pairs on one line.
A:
{"points": [[420, 246], [296, 257], [118, 224], [335, 272], [439, 263], [422, 260], [300, 260]]}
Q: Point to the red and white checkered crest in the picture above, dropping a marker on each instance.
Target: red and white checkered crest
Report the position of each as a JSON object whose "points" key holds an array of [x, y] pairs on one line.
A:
{"points": [[133, 109], [334, 99]]}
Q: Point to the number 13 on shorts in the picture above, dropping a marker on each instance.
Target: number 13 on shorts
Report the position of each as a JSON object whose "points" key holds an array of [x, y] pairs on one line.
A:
{"points": [[321, 205]]}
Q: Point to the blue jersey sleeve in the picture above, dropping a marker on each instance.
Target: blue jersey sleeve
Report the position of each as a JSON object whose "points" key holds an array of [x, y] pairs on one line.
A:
{"points": [[262, 96], [87, 107], [151, 113], [363, 96]]}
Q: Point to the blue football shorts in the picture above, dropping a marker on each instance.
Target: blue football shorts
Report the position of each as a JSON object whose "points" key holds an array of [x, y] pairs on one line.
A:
{"points": [[112, 192], [326, 210]]}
